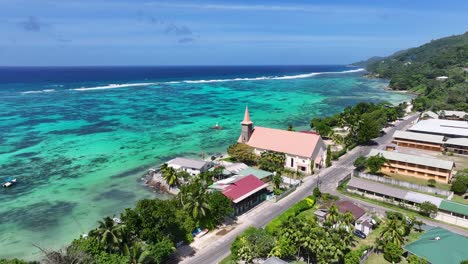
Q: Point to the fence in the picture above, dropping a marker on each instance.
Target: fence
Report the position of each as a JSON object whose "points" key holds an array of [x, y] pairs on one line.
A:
{"points": [[404, 184], [286, 193], [366, 255]]}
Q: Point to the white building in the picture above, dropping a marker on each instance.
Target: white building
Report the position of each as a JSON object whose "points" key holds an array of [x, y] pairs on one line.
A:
{"points": [[304, 151], [192, 166]]}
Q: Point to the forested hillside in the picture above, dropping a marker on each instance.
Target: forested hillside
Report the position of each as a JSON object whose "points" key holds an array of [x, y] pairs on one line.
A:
{"points": [[416, 70]]}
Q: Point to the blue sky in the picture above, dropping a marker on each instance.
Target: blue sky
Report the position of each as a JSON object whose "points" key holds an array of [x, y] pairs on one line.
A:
{"points": [[143, 32]]}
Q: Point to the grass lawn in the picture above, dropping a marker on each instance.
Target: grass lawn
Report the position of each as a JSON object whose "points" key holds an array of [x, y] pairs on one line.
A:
{"points": [[379, 259], [369, 240], [308, 212], [415, 180], [227, 260], [459, 199]]}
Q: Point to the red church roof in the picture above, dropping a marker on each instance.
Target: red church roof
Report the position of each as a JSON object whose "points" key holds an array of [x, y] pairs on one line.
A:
{"points": [[289, 142], [243, 188]]}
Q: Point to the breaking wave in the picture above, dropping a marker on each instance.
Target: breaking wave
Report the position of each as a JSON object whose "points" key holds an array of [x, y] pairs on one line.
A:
{"points": [[41, 91], [125, 85]]}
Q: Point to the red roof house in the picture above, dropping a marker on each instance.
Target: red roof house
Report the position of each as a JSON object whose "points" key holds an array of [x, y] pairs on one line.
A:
{"points": [[243, 188]]}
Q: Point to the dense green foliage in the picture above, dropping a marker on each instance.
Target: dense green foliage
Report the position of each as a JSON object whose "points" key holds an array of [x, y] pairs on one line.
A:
{"points": [[294, 210], [392, 252], [243, 153], [271, 161], [373, 163], [416, 69], [14, 261], [427, 208], [364, 121], [253, 243], [328, 162], [460, 184], [413, 259]]}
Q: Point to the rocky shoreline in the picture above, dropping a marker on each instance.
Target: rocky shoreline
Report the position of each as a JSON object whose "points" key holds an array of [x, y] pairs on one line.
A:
{"points": [[154, 180]]}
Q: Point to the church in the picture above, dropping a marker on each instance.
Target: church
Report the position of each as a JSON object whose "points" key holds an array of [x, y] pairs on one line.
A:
{"points": [[305, 151]]}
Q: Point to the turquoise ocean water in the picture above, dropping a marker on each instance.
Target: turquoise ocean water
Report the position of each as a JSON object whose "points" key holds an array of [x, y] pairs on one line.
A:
{"points": [[79, 147]]}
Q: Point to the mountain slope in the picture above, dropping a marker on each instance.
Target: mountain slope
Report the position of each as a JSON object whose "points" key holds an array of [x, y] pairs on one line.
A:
{"points": [[416, 70]]}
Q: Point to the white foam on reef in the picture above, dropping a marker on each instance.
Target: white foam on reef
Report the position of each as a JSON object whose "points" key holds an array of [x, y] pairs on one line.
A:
{"points": [[286, 77], [41, 91], [111, 86], [125, 85]]}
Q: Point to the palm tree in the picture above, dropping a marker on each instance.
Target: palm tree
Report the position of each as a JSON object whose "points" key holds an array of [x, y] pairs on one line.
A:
{"points": [[337, 138], [277, 180], [109, 234], [138, 254], [171, 177], [348, 220], [333, 215], [196, 204], [393, 231]]}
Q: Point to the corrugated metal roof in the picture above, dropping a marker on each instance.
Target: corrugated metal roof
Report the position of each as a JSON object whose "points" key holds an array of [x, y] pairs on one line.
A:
{"points": [[442, 127], [260, 174], [454, 207], [450, 248], [421, 198], [188, 163], [419, 137], [430, 162], [457, 141], [377, 188]]}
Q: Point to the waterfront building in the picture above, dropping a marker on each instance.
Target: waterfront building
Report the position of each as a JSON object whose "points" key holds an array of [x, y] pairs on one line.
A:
{"points": [[416, 166], [304, 152], [192, 166]]}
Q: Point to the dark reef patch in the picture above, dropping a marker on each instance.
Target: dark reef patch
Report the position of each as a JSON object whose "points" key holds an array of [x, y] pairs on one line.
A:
{"points": [[39, 216], [115, 194]]}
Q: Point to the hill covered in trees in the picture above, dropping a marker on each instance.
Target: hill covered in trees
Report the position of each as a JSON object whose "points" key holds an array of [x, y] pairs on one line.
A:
{"points": [[416, 69]]}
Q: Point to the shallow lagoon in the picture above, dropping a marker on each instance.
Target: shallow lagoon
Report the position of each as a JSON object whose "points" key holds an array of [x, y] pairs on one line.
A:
{"points": [[79, 154]]}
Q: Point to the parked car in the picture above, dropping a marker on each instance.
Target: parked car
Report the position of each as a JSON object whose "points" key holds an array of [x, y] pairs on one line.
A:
{"points": [[360, 234]]}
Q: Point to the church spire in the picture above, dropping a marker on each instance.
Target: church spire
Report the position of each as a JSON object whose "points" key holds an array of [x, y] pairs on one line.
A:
{"points": [[247, 120]]}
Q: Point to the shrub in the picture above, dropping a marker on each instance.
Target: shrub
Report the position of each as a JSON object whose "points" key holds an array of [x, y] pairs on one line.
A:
{"points": [[294, 210], [392, 252], [427, 208], [431, 182]]}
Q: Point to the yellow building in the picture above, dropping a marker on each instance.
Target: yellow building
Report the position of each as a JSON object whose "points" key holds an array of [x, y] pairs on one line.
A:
{"points": [[416, 166], [418, 140]]}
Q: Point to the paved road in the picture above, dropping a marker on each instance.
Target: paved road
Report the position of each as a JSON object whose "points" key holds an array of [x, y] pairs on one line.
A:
{"points": [[216, 248]]}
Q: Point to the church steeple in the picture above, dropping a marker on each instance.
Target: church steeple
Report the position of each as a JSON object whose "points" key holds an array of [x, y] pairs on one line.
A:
{"points": [[246, 116], [247, 126]]}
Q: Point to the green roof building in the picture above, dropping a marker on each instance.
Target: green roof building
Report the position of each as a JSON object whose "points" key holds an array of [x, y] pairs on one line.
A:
{"points": [[440, 246], [260, 174]]}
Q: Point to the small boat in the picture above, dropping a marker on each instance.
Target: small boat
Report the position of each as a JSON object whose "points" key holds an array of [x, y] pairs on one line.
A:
{"points": [[9, 182], [217, 126]]}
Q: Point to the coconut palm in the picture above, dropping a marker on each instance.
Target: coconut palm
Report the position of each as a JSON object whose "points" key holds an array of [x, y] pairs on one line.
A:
{"points": [[138, 254], [333, 215], [170, 176], [109, 234], [393, 231], [348, 219], [196, 204]]}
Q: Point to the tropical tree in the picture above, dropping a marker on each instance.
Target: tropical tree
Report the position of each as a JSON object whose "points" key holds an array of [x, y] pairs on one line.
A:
{"points": [[138, 254], [360, 163], [109, 234], [277, 180], [171, 176], [393, 231], [431, 182], [271, 161], [374, 163], [427, 208], [69, 255], [392, 252], [196, 204], [328, 162], [333, 215], [243, 153]]}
